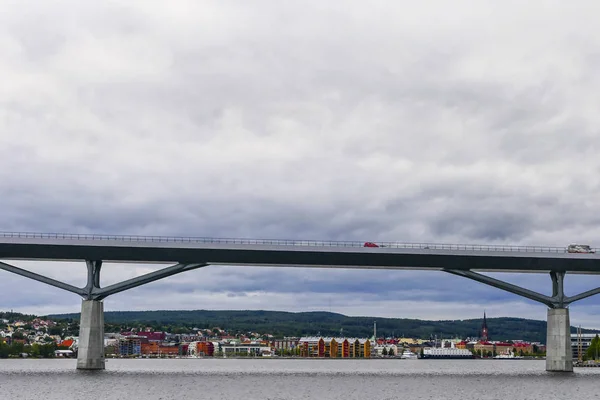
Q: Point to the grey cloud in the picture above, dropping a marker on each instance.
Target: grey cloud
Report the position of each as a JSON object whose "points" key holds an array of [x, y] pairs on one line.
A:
{"points": [[313, 121], [486, 225]]}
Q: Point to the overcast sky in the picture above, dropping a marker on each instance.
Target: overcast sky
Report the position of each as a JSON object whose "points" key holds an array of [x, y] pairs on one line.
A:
{"points": [[451, 122]]}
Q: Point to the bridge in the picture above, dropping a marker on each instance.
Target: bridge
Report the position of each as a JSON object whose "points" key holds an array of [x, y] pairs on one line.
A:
{"points": [[187, 254]]}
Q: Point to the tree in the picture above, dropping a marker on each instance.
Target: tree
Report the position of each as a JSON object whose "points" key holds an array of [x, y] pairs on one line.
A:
{"points": [[17, 348], [34, 350], [4, 350], [55, 330], [47, 350], [18, 335], [594, 350]]}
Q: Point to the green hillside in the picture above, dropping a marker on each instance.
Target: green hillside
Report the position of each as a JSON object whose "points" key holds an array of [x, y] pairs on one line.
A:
{"points": [[282, 324]]}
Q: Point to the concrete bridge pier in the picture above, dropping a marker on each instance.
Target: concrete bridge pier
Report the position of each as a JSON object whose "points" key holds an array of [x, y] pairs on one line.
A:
{"points": [[90, 352], [559, 355]]}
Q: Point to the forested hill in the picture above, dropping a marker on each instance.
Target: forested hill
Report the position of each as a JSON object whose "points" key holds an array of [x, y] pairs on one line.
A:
{"points": [[282, 324]]}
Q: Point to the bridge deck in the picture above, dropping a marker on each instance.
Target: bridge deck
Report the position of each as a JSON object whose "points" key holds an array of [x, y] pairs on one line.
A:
{"points": [[29, 246]]}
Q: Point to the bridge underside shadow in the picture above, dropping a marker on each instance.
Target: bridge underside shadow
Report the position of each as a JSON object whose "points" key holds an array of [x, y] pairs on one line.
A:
{"points": [[90, 353]]}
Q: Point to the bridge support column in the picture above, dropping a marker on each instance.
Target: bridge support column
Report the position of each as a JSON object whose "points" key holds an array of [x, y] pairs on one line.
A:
{"points": [[90, 351], [559, 355]]}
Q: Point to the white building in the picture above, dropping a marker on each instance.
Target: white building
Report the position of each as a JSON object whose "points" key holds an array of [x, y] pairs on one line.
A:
{"points": [[256, 349], [390, 349]]}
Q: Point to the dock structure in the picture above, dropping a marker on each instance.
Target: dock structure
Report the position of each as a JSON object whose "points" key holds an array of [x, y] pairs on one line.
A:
{"points": [[187, 254]]}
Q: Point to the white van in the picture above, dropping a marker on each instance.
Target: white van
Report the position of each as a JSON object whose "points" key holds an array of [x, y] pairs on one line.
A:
{"points": [[579, 248]]}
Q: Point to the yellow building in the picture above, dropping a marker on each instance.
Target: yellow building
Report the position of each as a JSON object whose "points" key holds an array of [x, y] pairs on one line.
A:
{"points": [[411, 341], [484, 347], [334, 347]]}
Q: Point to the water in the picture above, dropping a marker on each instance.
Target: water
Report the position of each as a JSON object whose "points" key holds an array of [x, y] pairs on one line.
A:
{"points": [[208, 379]]}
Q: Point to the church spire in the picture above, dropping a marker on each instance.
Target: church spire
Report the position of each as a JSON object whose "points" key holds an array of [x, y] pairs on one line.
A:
{"points": [[484, 328]]}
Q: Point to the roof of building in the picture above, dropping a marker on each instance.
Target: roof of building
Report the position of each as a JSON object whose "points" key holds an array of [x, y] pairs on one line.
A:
{"points": [[153, 336], [315, 339]]}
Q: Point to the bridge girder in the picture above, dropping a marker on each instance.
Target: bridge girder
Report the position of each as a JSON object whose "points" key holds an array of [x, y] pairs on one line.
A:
{"points": [[92, 290], [557, 300]]}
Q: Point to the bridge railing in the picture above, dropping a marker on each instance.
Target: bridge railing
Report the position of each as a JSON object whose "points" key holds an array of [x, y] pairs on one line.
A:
{"points": [[282, 242]]}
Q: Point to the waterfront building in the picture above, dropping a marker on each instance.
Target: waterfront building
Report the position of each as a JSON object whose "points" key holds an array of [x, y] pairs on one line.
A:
{"points": [[149, 336], [205, 349], [585, 341], [502, 348], [390, 349], [63, 353], [251, 349], [157, 349], [331, 348], [150, 348], [288, 343], [484, 348], [334, 347], [461, 345], [522, 348], [410, 342], [169, 350], [130, 346]]}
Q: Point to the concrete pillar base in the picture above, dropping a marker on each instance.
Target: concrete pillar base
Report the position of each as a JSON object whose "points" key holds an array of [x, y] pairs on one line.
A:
{"points": [[90, 351], [559, 356]]}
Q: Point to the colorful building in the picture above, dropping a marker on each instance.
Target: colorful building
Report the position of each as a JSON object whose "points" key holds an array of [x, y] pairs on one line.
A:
{"points": [[130, 346], [334, 347]]}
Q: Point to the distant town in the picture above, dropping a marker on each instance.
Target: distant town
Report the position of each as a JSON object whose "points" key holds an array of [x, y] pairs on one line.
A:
{"points": [[30, 336]]}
